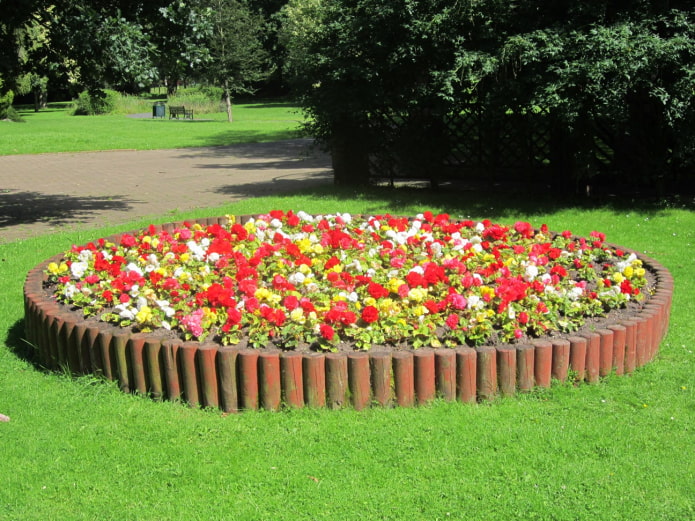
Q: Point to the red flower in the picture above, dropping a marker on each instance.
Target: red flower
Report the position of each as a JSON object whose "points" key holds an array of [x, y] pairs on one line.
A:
{"points": [[326, 331], [452, 321], [370, 314], [377, 290], [524, 229], [291, 302]]}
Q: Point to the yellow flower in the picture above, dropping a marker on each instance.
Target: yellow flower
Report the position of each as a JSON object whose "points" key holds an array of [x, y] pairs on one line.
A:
{"points": [[628, 271], [386, 305], [394, 284], [487, 290], [370, 301], [304, 245], [317, 248], [304, 269], [262, 294], [618, 277], [297, 315], [56, 269], [640, 272], [144, 315], [420, 310], [184, 257], [417, 294], [250, 227]]}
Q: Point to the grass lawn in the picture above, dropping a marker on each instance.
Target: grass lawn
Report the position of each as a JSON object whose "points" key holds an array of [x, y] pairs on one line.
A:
{"points": [[54, 130], [78, 449]]}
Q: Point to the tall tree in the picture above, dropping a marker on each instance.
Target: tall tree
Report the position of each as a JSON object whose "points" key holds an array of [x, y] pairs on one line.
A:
{"points": [[237, 58], [180, 35]]}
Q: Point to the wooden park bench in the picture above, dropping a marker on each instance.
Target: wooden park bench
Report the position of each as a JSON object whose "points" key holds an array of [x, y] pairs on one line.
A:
{"points": [[175, 112]]}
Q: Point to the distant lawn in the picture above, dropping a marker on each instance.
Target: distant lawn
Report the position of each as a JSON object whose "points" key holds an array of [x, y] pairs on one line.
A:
{"points": [[55, 130]]}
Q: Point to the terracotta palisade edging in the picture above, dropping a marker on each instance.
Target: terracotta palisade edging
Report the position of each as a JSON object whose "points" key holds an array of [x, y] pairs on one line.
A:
{"points": [[233, 379]]}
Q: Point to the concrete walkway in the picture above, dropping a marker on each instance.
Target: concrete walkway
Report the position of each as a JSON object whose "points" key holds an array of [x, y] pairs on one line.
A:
{"points": [[43, 193]]}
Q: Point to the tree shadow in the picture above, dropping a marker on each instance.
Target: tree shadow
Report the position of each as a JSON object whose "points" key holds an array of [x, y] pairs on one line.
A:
{"points": [[285, 155], [234, 135], [494, 202], [280, 184], [18, 208]]}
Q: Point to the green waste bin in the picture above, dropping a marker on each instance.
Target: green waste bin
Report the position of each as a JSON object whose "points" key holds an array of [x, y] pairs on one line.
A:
{"points": [[159, 110]]}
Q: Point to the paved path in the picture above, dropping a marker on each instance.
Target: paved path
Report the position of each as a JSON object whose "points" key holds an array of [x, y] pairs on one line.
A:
{"points": [[43, 193]]}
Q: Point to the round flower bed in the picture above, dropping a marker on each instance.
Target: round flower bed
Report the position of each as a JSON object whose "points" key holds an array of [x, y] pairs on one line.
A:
{"points": [[346, 309]]}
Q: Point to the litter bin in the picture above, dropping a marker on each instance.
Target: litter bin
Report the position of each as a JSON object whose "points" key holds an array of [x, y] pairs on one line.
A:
{"points": [[159, 110]]}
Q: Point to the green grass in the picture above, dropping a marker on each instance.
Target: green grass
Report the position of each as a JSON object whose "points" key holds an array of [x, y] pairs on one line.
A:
{"points": [[621, 449], [54, 130]]}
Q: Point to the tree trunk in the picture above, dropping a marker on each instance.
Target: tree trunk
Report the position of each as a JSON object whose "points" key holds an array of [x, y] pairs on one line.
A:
{"points": [[228, 101]]}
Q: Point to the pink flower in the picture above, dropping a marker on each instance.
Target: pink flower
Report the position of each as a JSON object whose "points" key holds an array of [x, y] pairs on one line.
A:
{"points": [[193, 322], [457, 301], [452, 321]]}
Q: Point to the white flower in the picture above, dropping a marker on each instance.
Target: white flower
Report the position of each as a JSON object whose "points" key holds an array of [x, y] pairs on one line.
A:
{"points": [[69, 290], [164, 306], [196, 250], [475, 302], [575, 293], [530, 273], [78, 269], [133, 267], [296, 278], [124, 311], [85, 255]]}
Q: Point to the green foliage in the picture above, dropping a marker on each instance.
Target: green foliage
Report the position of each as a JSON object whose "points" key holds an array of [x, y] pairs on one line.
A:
{"points": [[96, 103], [620, 74], [105, 44], [238, 59], [6, 110], [180, 34]]}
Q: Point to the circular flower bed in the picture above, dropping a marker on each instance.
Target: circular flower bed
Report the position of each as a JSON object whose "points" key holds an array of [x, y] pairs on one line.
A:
{"points": [[293, 279], [349, 309]]}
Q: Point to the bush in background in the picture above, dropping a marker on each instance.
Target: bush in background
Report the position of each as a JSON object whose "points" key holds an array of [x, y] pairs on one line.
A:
{"points": [[6, 110], [96, 103], [202, 99]]}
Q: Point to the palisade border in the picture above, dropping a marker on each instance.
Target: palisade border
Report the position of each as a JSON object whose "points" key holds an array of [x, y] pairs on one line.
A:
{"points": [[206, 374]]}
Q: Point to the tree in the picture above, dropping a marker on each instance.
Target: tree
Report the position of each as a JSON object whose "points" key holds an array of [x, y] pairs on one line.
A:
{"points": [[391, 73], [180, 36], [237, 57], [104, 43]]}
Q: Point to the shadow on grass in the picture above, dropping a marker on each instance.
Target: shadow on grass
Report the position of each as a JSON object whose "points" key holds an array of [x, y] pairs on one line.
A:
{"points": [[18, 345], [17, 208], [495, 203], [241, 135]]}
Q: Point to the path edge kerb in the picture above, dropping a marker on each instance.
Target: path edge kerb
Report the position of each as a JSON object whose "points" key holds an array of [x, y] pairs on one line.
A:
{"points": [[233, 379]]}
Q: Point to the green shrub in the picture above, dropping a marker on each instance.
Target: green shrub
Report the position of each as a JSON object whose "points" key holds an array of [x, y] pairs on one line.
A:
{"points": [[202, 100], [6, 109], [94, 103]]}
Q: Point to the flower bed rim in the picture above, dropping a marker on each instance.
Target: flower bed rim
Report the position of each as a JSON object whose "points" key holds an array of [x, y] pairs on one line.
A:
{"points": [[197, 361]]}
